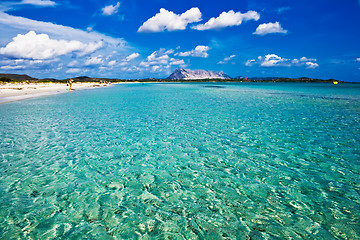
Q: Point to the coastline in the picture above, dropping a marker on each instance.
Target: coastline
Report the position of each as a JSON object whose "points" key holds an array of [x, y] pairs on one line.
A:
{"points": [[12, 92]]}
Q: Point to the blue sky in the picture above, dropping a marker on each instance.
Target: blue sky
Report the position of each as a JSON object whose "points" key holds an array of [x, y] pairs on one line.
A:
{"points": [[144, 38]]}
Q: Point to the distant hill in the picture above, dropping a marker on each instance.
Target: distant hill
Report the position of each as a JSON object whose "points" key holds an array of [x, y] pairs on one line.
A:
{"points": [[17, 77], [83, 79], [187, 74], [264, 78]]}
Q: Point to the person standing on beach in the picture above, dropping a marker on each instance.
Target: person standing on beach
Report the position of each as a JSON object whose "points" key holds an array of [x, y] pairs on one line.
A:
{"points": [[70, 81]]}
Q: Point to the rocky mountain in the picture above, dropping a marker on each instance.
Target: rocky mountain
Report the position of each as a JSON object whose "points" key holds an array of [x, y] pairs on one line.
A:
{"points": [[187, 74]]}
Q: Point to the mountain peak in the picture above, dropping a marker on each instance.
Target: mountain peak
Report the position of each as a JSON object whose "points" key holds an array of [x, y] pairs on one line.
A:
{"points": [[187, 74]]}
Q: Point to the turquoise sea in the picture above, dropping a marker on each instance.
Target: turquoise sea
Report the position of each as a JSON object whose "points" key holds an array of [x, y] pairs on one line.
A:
{"points": [[183, 161]]}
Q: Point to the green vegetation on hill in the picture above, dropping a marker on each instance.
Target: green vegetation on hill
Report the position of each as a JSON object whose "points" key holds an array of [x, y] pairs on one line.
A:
{"points": [[17, 77], [22, 78], [5, 79]]}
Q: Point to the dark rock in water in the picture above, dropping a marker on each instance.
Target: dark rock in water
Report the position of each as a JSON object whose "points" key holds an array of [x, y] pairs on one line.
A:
{"points": [[35, 193], [187, 74]]}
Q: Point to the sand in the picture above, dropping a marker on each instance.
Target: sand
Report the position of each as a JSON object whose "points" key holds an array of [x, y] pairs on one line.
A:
{"points": [[11, 92]]}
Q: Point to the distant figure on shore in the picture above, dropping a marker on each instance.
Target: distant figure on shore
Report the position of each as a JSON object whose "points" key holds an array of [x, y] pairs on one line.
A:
{"points": [[104, 82], [70, 82]]}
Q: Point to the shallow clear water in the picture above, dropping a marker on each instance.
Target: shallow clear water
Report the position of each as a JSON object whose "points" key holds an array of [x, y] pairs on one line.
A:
{"points": [[183, 161]]}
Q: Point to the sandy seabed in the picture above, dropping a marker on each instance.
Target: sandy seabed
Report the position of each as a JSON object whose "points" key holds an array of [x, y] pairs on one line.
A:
{"points": [[11, 92]]}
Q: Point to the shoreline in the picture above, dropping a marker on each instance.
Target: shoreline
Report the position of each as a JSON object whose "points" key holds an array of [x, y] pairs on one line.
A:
{"points": [[13, 92]]}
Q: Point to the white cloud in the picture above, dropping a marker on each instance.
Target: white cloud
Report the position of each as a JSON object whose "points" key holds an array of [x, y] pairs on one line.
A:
{"points": [[304, 59], [273, 60], [160, 57], [311, 65], [131, 69], [13, 25], [88, 42], [74, 70], [111, 9], [168, 20], [125, 61], [228, 19], [160, 60], [250, 62], [176, 62], [44, 3], [112, 63], [155, 68], [358, 59], [226, 59], [40, 46], [12, 67], [267, 28], [283, 9], [170, 51], [132, 56], [15, 64], [91, 61], [199, 51], [73, 63]]}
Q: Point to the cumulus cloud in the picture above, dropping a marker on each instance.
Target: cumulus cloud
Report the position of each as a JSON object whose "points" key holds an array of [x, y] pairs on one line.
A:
{"points": [[43, 3], [199, 51], [176, 62], [160, 60], [228, 19], [112, 63], [168, 20], [267, 28], [111, 9], [131, 69], [311, 65], [132, 56], [358, 59], [40, 46], [226, 59], [14, 25], [64, 44], [73, 63], [19, 64], [125, 61], [91, 61], [273, 60], [250, 62], [160, 57]]}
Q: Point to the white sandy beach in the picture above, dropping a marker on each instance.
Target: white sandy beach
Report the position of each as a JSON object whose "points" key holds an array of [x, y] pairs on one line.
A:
{"points": [[11, 92]]}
